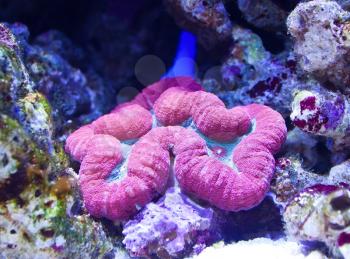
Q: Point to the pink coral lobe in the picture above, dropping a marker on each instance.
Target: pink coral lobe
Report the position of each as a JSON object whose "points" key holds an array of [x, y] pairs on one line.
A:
{"points": [[207, 111], [174, 101], [211, 180]]}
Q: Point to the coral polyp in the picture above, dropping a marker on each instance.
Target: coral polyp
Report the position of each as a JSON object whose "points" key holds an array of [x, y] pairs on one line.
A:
{"points": [[169, 104]]}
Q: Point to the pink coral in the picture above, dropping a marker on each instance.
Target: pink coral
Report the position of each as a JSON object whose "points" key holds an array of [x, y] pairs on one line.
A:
{"points": [[174, 101]]}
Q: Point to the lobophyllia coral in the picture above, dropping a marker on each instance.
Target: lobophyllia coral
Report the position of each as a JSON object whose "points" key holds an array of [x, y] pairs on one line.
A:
{"points": [[146, 174]]}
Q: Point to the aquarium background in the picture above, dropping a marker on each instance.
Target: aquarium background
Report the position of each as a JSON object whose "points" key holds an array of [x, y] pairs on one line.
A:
{"points": [[174, 129]]}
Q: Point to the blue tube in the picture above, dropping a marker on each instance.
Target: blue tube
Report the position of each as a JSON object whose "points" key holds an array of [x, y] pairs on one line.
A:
{"points": [[184, 64]]}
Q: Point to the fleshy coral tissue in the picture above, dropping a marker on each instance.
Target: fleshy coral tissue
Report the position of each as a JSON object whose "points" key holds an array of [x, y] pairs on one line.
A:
{"points": [[155, 120]]}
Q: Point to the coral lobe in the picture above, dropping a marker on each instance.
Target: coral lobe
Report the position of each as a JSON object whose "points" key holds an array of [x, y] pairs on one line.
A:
{"points": [[174, 101]]}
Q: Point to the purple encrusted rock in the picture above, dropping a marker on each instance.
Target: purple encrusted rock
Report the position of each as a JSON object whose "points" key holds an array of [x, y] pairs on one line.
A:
{"points": [[251, 74], [320, 30], [290, 178], [344, 238], [323, 113], [321, 213], [263, 14], [209, 20], [174, 226]]}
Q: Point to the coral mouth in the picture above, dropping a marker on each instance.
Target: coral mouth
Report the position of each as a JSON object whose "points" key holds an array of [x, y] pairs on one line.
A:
{"points": [[222, 151]]}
